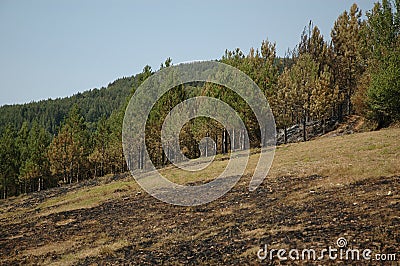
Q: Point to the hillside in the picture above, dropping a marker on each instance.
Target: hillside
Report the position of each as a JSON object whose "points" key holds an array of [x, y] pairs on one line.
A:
{"points": [[316, 192], [93, 104]]}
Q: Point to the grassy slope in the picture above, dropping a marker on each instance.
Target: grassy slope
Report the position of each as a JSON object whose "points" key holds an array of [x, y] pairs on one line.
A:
{"points": [[355, 175]]}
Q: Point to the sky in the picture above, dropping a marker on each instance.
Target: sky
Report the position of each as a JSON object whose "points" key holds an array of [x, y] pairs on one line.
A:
{"points": [[51, 49]]}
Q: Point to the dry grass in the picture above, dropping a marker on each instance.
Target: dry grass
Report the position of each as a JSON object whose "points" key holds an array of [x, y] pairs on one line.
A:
{"points": [[341, 160], [99, 248], [344, 160], [87, 198]]}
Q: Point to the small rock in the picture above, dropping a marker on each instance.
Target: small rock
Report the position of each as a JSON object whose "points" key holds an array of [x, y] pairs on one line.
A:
{"points": [[390, 193]]}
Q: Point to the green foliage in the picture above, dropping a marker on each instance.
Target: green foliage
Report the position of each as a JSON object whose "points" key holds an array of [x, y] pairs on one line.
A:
{"points": [[9, 156], [69, 150], [384, 91], [35, 168], [50, 113], [381, 38]]}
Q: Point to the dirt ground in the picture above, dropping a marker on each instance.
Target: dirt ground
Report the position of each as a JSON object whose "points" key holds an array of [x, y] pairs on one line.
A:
{"points": [[134, 228]]}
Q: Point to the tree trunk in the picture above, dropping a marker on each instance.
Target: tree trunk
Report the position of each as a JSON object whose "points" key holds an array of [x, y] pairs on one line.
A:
{"points": [[123, 165], [65, 175], [4, 188], [206, 148], [216, 143], [140, 157], [223, 142], [304, 130], [285, 134], [243, 139], [77, 174], [349, 105], [340, 112], [233, 140], [226, 141], [162, 157]]}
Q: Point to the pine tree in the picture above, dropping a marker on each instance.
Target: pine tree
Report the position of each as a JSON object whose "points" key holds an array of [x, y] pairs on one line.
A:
{"points": [[114, 150], [381, 41], [22, 144], [9, 166], [384, 90], [282, 103], [347, 59], [61, 154], [303, 79], [69, 150], [99, 156], [323, 97], [36, 167]]}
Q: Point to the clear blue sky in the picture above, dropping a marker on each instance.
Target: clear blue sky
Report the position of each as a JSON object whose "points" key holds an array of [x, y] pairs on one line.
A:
{"points": [[52, 49]]}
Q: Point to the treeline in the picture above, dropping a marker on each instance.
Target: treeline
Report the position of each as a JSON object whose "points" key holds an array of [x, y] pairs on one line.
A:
{"points": [[93, 104], [67, 140]]}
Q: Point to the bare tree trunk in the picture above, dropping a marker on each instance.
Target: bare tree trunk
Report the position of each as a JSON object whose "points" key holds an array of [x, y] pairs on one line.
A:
{"points": [[71, 175], [226, 141], [65, 175], [123, 163], [223, 142], [285, 138], [242, 140], [4, 188], [304, 129], [216, 143], [349, 106], [264, 137], [340, 112], [206, 148], [162, 157], [140, 157], [233, 140], [77, 174]]}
